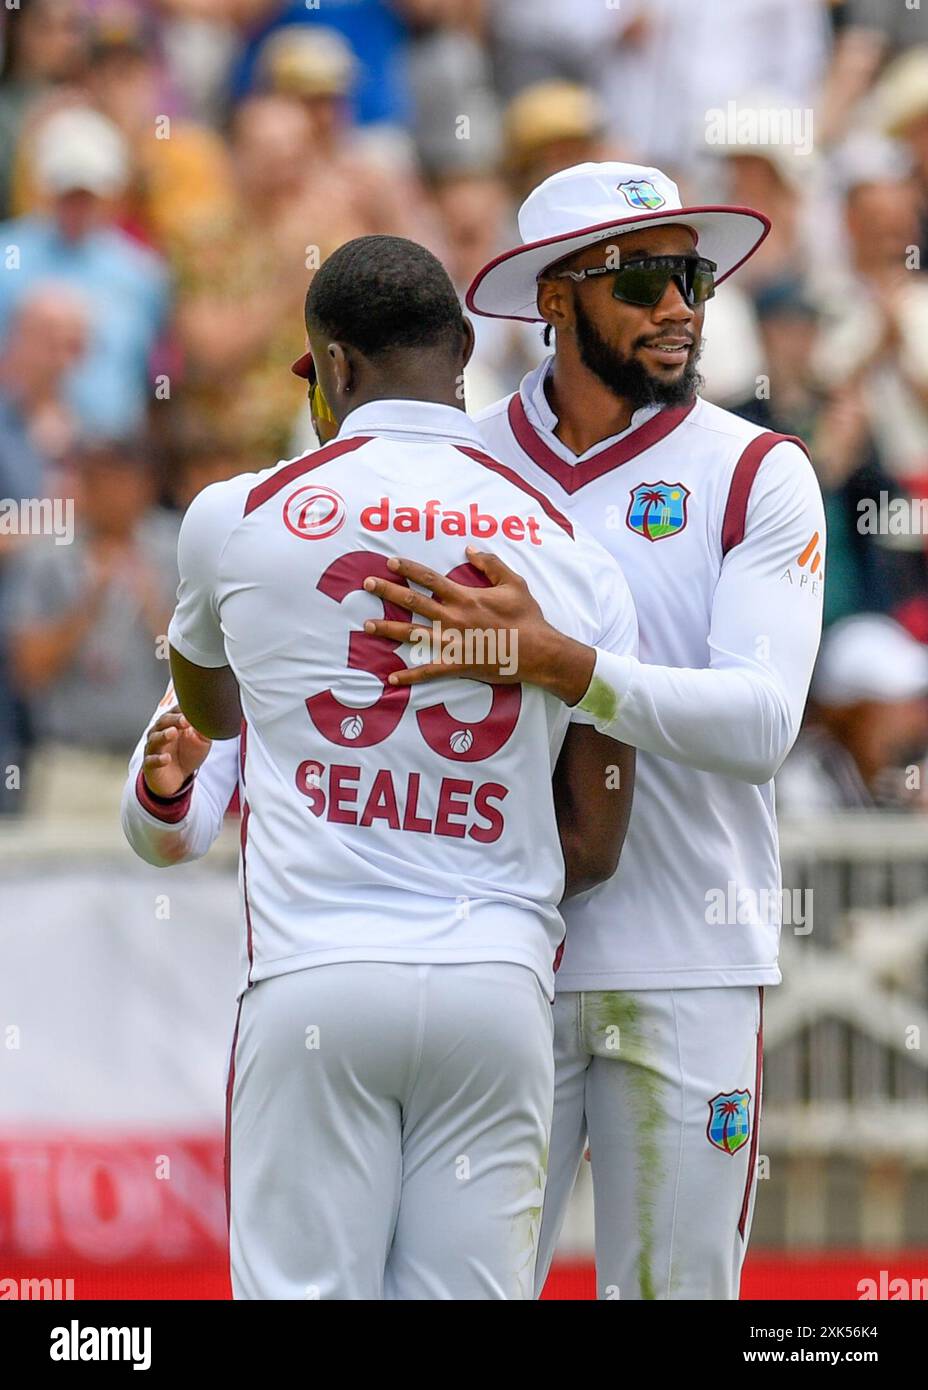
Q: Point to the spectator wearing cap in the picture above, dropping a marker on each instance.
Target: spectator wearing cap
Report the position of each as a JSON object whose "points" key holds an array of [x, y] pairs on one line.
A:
{"points": [[867, 724], [376, 33], [902, 103], [82, 170], [44, 47], [313, 63], [85, 621], [371, 190], [550, 126]]}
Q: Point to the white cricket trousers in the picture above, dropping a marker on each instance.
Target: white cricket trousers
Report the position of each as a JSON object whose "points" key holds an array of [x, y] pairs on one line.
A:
{"points": [[387, 1132], [666, 1086]]}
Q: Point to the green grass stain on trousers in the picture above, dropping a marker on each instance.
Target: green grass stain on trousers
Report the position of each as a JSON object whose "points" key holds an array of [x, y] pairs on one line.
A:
{"points": [[620, 1010]]}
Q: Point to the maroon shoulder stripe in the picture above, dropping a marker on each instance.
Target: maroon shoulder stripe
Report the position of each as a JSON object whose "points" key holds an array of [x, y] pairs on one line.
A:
{"points": [[271, 486], [742, 480], [573, 476], [545, 503]]}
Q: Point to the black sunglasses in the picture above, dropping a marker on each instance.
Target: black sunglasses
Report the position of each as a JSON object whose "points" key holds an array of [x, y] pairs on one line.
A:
{"points": [[644, 282]]}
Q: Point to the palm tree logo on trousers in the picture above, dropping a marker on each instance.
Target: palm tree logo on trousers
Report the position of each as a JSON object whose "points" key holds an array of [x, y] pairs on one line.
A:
{"points": [[729, 1126]]}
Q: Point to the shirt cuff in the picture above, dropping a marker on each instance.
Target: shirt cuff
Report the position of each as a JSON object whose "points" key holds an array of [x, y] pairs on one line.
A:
{"points": [[609, 683], [168, 809]]}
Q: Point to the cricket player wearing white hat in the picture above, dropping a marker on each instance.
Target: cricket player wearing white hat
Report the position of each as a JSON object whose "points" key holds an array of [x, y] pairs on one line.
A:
{"points": [[718, 526], [591, 203]]}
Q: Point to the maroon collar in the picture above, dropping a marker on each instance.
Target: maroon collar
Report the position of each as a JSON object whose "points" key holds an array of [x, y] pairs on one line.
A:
{"points": [[572, 476]]}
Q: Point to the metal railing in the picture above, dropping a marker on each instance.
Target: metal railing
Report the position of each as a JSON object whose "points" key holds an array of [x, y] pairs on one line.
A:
{"points": [[843, 1158], [844, 1139]]}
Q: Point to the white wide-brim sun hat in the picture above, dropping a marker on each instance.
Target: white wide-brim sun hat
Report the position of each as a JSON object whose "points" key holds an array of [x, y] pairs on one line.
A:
{"points": [[589, 203]]}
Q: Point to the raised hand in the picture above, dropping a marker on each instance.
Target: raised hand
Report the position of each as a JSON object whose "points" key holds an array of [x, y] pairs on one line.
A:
{"points": [[173, 752]]}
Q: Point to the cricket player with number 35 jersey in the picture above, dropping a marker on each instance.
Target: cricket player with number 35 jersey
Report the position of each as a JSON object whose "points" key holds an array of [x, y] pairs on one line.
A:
{"points": [[718, 527], [390, 1090]]}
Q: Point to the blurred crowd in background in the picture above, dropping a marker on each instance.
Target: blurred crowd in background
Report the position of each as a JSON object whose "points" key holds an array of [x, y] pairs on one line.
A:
{"points": [[171, 171]]}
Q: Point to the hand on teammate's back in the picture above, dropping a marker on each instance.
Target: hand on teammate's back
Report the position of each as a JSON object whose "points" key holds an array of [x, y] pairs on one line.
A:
{"points": [[173, 752], [500, 602]]}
